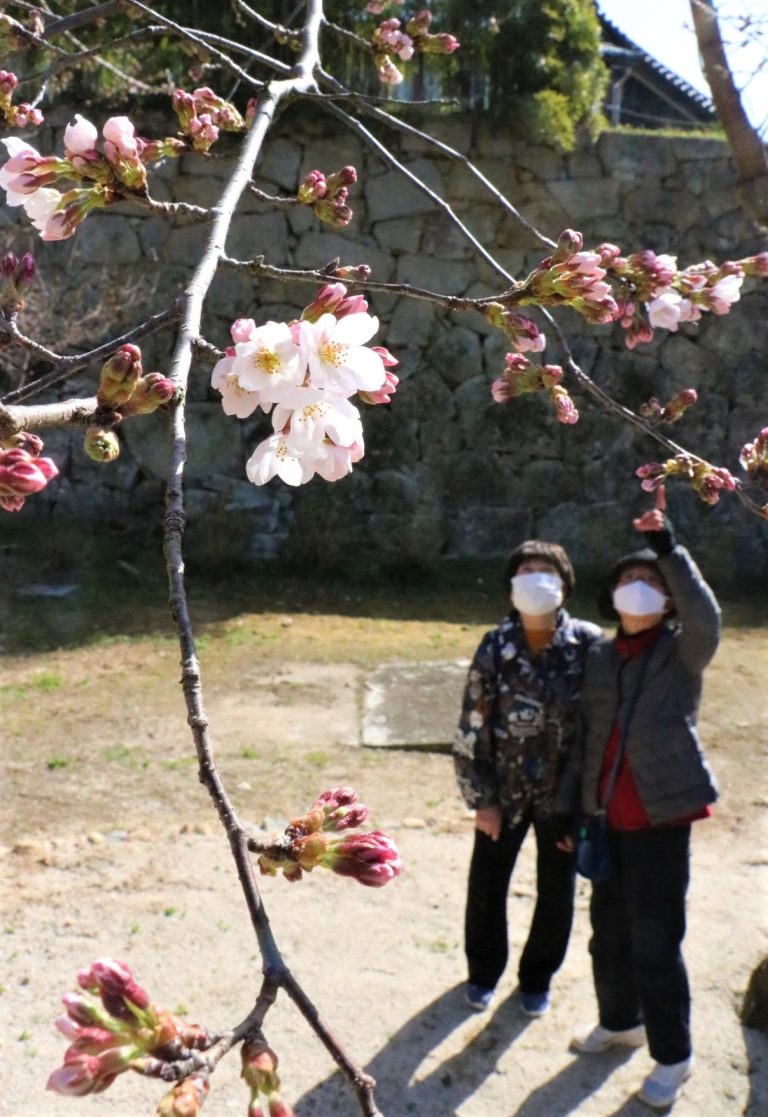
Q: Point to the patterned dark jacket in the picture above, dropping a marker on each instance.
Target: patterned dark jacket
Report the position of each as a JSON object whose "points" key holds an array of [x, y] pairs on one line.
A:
{"points": [[519, 717]]}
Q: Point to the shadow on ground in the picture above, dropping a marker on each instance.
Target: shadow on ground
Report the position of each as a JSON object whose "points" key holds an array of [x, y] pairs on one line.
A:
{"points": [[412, 1079]]}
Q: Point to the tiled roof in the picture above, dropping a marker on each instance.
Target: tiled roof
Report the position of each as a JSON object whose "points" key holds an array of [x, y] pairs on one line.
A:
{"points": [[613, 36]]}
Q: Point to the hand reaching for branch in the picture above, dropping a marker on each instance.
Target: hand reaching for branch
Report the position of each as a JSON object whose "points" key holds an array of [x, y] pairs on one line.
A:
{"points": [[654, 519]]}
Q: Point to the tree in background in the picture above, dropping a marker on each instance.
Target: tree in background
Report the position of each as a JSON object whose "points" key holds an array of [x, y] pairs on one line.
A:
{"points": [[536, 64], [749, 150]]}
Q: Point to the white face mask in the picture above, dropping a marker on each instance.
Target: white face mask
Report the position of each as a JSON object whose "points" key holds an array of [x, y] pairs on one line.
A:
{"points": [[638, 599], [537, 594]]}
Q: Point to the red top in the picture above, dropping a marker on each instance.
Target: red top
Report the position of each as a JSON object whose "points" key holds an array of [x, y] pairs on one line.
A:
{"points": [[625, 809]]}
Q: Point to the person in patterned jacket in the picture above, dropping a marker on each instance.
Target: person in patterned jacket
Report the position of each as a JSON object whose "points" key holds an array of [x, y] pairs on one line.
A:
{"points": [[519, 721]]}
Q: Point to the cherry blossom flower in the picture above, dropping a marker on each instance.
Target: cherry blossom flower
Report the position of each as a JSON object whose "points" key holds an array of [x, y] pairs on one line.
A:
{"points": [[312, 416], [664, 310], [275, 458], [269, 361], [338, 359], [235, 399], [725, 292]]}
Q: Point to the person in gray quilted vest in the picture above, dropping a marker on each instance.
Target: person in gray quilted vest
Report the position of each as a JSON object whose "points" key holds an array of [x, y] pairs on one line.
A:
{"points": [[644, 767]]}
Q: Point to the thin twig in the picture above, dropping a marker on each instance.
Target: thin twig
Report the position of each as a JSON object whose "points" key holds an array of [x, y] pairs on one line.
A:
{"points": [[67, 366], [410, 130]]}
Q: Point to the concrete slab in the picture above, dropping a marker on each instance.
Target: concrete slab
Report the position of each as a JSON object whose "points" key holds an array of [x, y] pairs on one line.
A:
{"points": [[413, 705]]}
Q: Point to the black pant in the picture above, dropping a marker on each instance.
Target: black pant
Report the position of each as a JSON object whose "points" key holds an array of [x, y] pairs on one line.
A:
{"points": [[638, 924], [485, 927]]}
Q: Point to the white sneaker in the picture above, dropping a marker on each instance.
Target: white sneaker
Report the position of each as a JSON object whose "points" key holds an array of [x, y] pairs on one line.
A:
{"points": [[662, 1087], [600, 1039]]}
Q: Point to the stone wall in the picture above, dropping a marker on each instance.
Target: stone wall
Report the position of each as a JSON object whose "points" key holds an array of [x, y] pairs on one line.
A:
{"points": [[447, 472]]}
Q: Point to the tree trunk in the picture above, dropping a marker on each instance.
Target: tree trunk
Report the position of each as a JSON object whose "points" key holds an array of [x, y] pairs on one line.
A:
{"points": [[747, 148]]}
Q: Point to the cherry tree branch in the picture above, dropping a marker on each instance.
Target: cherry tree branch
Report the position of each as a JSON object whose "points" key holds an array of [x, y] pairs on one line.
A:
{"points": [[193, 37], [68, 413], [445, 149], [173, 529], [68, 366]]}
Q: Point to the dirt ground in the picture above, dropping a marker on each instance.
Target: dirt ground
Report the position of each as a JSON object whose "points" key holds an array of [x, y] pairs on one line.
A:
{"points": [[128, 861]]}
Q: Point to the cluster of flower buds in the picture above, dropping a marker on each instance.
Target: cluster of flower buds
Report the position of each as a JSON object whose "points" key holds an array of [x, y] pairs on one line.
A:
{"points": [[113, 1027], [520, 378], [754, 458], [523, 335], [203, 115], [571, 277], [308, 369], [260, 1074], [708, 481], [22, 470], [643, 291], [328, 196], [390, 38], [16, 276], [122, 392], [311, 841], [669, 412], [22, 115], [103, 177]]}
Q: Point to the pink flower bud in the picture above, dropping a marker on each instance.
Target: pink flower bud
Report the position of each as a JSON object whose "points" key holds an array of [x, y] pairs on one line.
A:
{"points": [[25, 273], [121, 133], [8, 265], [564, 407], [387, 71], [119, 377], [353, 304], [326, 301], [334, 211], [203, 132], [341, 180], [678, 405], [313, 187], [26, 116], [242, 329], [259, 1066], [151, 391], [359, 272], [8, 82], [186, 1098], [438, 44], [21, 475], [372, 859], [652, 475], [387, 389], [757, 264], [419, 23], [81, 137], [570, 241], [113, 978]]}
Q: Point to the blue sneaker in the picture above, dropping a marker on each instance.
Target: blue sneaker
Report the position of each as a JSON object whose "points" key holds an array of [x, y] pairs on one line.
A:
{"points": [[535, 1004], [479, 997]]}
